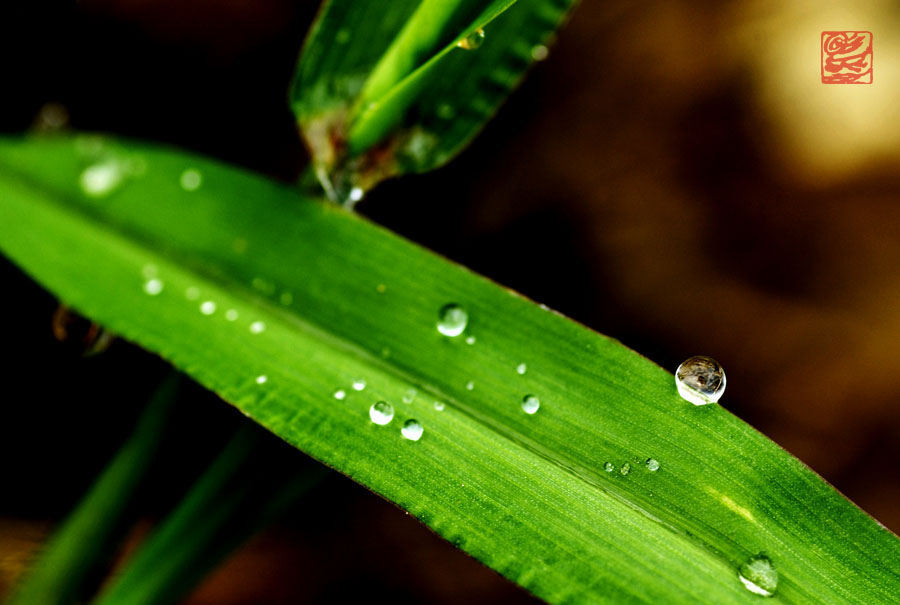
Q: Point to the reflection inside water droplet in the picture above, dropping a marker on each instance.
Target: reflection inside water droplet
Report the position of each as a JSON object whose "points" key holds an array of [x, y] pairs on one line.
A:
{"points": [[758, 575], [700, 380], [381, 412], [412, 430]]}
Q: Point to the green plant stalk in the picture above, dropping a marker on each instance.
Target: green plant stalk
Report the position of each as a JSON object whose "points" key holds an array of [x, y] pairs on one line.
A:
{"points": [[232, 500], [63, 573], [417, 38]]}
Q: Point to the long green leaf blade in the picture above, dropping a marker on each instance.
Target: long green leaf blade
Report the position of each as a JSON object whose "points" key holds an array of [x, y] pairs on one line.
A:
{"points": [[383, 90], [342, 300]]}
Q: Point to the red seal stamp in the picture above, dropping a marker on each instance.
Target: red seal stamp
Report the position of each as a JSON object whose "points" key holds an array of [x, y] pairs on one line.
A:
{"points": [[846, 57]]}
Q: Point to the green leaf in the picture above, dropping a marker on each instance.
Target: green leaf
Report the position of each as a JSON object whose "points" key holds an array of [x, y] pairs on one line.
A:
{"points": [[93, 530], [189, 273], [379, 92]]}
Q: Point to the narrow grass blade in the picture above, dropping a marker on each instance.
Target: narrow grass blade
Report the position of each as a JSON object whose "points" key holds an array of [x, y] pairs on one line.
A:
{"points": [[304, 315], [233, 499], [64, 572]]}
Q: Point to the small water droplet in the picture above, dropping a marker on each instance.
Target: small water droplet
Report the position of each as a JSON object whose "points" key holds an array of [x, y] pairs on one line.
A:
{"points": [[412, 430], [700, 380], [286, 298], [231, 314], [758, 575], [381, 412], [452, 320], [262, 379], [356, 194], [445, 111], [192, 293], [409, 396], [539, 52], [342, 36], [521, 369], [626, 468], [439, 406], [100, 179], [609, 467], [530, 404], [652, 464], [381, 288], [359, 384], [340, 394], [208, 307], [472, 41], [191, 179], [470, 385], [470, 340], [150, 271], [257, 327], [153, 286]]}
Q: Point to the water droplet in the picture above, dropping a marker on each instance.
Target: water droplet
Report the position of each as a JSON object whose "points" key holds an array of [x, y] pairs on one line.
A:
{"points": [[231, 314], [286, 298], [412, 430], [263, 285], [257, 327], [359, 384], [262, 379], [409, 396], [530, 404], [472, 41], [98, 180], [470, 340], [626, 468], [381, 288], [52, 117], [700, 380], [340, 394], [758, 575], [445, 111], [452, 320], [342, 36], [381, 412], [191, 179], [609, 467], [78, 333], [208, 307], [539, 52], [150, 271], [153, 286], [355, 195], [192, 293], [521, 369], [439, 406], [652, 464], [470, 385]]}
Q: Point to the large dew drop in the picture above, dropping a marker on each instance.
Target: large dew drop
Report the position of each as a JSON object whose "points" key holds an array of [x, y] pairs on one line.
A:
{"points": [[758, 575], [412, 430], [452, 320], [101, 179], [700, 380], [381, 412]]}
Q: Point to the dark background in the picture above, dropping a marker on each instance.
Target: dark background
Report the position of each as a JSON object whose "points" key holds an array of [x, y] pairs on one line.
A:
{"points": [[673, 175]]}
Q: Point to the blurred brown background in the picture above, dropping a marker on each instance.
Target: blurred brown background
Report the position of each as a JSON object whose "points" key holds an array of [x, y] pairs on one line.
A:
{"points": [[674, 175]]}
